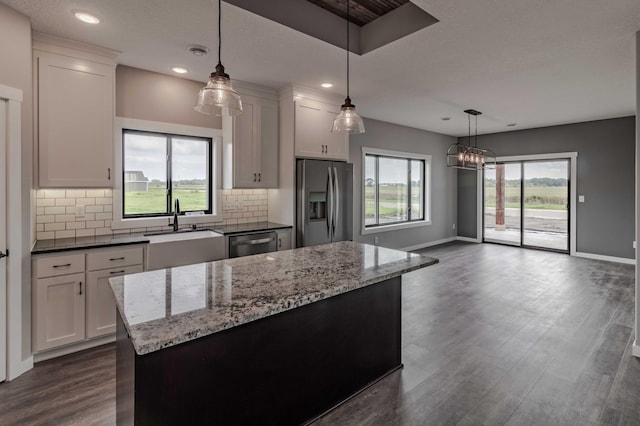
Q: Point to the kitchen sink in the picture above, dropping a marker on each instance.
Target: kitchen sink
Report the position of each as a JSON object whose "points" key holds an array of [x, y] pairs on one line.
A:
{"points": [[168, 249]]}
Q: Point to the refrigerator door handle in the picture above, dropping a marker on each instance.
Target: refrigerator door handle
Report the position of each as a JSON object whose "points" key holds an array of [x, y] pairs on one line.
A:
{"points": [[330, 202], [336, 207]]}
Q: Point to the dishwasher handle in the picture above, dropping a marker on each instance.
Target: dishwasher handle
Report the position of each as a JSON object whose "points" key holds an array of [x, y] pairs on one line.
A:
{"points": [[252, 242]]}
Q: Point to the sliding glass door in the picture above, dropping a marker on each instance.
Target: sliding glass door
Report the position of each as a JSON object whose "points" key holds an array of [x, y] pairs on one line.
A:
{"points": [[526, 203], [502, 204]]}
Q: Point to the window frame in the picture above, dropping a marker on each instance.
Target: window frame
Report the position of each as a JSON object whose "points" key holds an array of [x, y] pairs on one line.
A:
{"points": [[215, 163], [169, 195], [426, 194]]}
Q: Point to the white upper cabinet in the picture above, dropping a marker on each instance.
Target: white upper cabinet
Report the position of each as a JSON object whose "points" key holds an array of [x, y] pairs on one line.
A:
{"points": [[74, 99], [251, 144], [313, 137]]}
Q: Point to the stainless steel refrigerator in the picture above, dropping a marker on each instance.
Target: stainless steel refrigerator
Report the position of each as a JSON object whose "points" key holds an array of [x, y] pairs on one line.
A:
{"points": [[324, 202]]}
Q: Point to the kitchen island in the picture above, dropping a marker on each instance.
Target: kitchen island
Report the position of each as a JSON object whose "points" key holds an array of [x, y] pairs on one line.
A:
{"points": [[276, 338]]}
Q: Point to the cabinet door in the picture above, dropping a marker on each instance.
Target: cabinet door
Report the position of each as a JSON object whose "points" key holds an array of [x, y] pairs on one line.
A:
{"points": [[310, 125], [284, 240], [59, 311], [246, 146], [268, 161], [337, 144], [101, 305], [75, 122]]}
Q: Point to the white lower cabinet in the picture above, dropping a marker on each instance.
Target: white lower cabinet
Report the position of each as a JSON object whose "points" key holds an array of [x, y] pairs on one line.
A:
{"points": [[59, 311], [284, 239], [101, 306], [73, 303]]}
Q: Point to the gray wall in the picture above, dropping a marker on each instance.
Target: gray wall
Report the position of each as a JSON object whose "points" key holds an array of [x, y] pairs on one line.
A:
{"points": [[147, 95], [467, 203], [605, 176], [443, 181]]}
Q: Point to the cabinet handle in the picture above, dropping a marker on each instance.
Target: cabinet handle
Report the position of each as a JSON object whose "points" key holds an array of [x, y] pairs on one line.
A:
{"points": [[66, 265], [259, 177], [109, 173], [254, 177], [117, 272], [279, 242], [80, 287], [116, 258]]}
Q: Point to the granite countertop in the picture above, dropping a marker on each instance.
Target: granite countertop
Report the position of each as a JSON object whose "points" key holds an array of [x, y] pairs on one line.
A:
{"points": [[81, 243], [243, 228], [170, 306]]}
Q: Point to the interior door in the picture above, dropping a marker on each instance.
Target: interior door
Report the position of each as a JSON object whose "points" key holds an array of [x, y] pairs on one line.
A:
{"points": [[3, 241]]}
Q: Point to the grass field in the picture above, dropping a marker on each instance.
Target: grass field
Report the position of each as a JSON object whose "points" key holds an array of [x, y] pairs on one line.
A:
{"points": [[155, 200], [392, 204], [536, 197]]}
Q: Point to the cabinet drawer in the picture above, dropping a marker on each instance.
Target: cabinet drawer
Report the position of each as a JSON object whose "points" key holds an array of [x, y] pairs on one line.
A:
{"points": [[114, 258], [59, 265]]}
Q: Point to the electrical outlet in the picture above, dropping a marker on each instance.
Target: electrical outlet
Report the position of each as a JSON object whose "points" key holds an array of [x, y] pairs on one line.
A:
{"points": [[375, 240], [79, 211], [581, 198], [634, 244], [454, 226]]}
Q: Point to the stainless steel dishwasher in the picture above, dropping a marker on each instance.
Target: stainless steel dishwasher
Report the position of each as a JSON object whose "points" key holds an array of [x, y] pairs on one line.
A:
{"points": [[248, 244]]}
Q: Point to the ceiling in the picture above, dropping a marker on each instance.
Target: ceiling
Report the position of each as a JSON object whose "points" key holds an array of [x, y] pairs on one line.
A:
{"points": [[531, 62]]}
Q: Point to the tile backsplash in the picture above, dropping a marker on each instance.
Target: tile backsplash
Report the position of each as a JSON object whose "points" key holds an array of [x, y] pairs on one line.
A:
{"points": [[57, 214]]}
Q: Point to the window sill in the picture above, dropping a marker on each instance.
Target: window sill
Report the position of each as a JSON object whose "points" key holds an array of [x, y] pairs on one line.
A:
{"points": [[163, 221], [395, 227]]}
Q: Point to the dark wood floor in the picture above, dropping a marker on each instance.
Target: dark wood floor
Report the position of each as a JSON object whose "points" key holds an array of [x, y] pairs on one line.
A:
{"points": [[493, 335]]}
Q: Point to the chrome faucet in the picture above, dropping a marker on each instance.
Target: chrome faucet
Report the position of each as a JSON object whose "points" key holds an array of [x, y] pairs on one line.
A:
{"points": [[176, 212]]}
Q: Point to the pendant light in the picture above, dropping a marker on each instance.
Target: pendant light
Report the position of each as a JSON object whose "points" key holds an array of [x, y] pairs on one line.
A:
{"points": [[348, 120], [218, 96], [470, 157]]}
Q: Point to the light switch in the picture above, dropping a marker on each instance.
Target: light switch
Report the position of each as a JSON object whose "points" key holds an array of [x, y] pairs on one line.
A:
{"points": [[581, 198]]}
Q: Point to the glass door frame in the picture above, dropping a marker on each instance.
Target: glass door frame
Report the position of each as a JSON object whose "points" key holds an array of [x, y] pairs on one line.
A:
{"points": [[572, 157]]}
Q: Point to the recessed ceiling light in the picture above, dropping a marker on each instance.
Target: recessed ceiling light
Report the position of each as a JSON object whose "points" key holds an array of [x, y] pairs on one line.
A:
{"points": [[327, 85], [179, 70], [512, 124], [86, 17]]}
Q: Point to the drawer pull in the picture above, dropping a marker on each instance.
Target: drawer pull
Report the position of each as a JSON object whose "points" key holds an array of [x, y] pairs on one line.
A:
{"points": [[116, 272], [66, 265], [116, 258]]}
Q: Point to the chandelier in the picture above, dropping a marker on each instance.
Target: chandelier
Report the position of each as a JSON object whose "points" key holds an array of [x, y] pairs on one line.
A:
{"points": [[470, 156]]}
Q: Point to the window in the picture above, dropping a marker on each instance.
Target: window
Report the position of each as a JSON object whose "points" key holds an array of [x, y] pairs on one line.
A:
{"points": [[161, 168], [395, 188], [161, 162]]}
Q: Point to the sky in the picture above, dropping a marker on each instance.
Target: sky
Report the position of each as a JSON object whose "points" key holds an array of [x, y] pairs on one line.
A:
{"points": [[148, 153]]}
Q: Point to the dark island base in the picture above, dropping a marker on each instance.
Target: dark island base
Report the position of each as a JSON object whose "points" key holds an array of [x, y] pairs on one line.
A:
{"points": [[285, 369]]}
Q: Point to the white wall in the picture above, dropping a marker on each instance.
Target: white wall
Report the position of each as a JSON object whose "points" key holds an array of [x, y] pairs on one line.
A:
{"points": [[16, 72], [636, 346]]}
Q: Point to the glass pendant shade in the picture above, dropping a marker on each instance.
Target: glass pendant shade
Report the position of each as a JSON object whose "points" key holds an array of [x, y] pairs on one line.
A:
{"points": [[348, 120], [218, 97]]}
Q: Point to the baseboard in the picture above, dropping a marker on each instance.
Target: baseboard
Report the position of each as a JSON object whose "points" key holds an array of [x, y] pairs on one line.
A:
{"points": [[468, 239], [635, 349], [606, 258], [17, 370], [77, 347], [429, 244]]}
